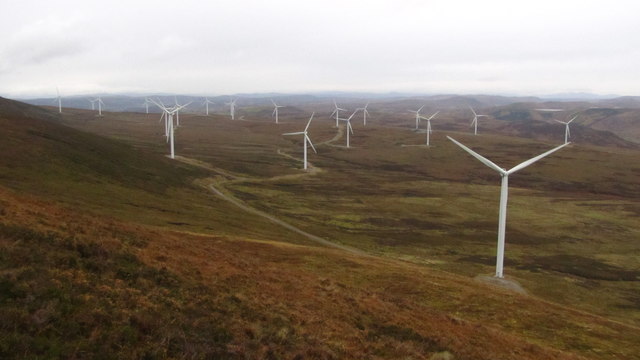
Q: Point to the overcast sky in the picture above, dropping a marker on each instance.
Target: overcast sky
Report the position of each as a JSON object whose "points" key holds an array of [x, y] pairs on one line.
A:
{"points": [[221, 47]]}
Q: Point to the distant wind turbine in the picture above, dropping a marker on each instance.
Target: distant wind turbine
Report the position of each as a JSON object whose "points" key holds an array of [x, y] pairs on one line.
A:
{"points": [[504, 193], [429, 124], [179, 107], [306, 139], [59, 100], [567, 133], [168, 113], [475, 120], [232, 109], [349, 128], [336, 112], [206, 104], [364, 113], [93, 104], [275, 110], [146, 103], [98, 101], [417, 112]]}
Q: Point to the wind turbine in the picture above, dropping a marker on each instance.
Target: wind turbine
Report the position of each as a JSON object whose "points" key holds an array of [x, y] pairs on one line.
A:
{"points": [[180, 107], [146, 104], [336, 111], [567, 133], [93, 104], [349, 127], [206, 103], [232, 109], [98, 100], [504, 193], [306, 139], [475, 121], [364, 113], [59, 100], [168, 116], [275, 110], [429, 124], [417, 116]]}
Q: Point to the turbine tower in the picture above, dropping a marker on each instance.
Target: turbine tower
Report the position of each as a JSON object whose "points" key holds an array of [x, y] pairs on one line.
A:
{"points": [[206, 104], [349, 127], [168, 113], [417, 112], [475, 121], [336, 111], [98, 101], [429, 124], [364, 113], [306, 139], [567, 133], [275, 110], [232, 109], [146, 104], [504, 193], [58, 100]]}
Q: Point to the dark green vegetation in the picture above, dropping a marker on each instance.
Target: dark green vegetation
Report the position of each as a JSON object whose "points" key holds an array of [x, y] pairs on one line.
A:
{"points": [[109, 248]]}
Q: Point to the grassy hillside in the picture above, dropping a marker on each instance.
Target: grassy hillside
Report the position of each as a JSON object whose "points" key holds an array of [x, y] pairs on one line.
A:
{"points": [[108, 249]]}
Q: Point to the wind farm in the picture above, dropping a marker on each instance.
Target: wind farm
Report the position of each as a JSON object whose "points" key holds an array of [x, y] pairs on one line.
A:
{"points": [[320, 180]]}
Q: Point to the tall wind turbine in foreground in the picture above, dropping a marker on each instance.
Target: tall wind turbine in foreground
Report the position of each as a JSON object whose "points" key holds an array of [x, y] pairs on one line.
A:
{"points": [[168, 115], [417, 112], [504, 193], [429, 124], [275, 110], [567, 133], [232, 109], [348, 127], [306, 139], [364, 113], [336, 112], [206, 104], [475, 121]]}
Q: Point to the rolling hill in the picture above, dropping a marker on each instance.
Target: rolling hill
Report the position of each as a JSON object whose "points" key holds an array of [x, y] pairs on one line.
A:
{"points": [[111, 250]]}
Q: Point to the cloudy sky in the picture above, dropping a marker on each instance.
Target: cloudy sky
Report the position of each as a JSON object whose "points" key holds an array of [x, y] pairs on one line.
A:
{"points": [[228, 46]]}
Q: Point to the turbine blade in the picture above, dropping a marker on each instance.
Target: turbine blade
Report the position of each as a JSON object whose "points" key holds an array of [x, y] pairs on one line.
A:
{"points": [[531, 161], [273, 113], [349, 126], [309, 123], [568, 131], [420, 108], [474, 112], [432, 116], [482, 159], [572, 119], [310, 143], [294, 133], [352, 115], [561, 122]]}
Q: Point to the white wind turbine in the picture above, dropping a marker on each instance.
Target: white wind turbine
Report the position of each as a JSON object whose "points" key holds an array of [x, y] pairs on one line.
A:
{"points": [[349, 128], [567, 133], [93, 104], [364, 113], [429, 124], [275, 110], [168, 115], [180, 107], [475, 121], [504, 193], [206, 104], [336, 111], [417, 112], [306, 139], [146, 104], [58, 100], [232, 109], [98, 101]]}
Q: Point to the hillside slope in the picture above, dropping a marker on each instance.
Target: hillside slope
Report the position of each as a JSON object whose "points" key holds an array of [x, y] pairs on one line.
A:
{"points": [[83, 274]]}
